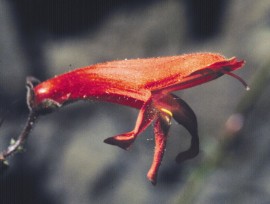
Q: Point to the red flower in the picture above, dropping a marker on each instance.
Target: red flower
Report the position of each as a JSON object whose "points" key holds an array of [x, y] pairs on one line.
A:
{"points": [[145, 84]]}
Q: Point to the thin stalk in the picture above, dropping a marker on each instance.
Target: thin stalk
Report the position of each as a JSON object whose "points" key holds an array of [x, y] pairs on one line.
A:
{"points": [[14, 147]]}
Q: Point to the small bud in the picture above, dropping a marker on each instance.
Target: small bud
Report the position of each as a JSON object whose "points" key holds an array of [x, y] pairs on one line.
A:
{"points": [[12, 141], [5, 162]]}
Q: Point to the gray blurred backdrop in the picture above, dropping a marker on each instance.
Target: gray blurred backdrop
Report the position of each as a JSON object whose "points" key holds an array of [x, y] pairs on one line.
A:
{"points": [[65, 159]]}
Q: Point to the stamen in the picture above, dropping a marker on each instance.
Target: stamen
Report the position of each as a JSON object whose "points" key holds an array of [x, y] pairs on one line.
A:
{"points": [[238, 78], [167, 111]]}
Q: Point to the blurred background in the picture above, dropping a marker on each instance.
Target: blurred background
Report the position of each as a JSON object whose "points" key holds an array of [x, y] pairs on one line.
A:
{"points": [[65, 159]]}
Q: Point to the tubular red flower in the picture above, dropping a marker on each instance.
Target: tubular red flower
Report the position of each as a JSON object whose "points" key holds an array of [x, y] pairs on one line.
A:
{"points": [[145, 84]]}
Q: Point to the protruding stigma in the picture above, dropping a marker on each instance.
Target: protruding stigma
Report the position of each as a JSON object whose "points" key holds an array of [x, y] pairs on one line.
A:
{"points": [[239, 79]]}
